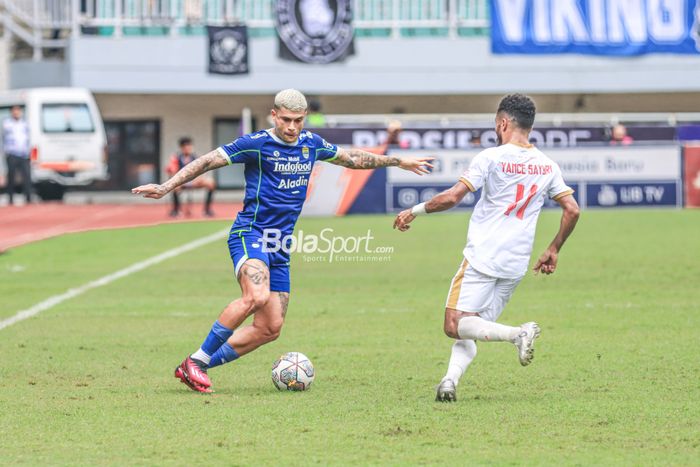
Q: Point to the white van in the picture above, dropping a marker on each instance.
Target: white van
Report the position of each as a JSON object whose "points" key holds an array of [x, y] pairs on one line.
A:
{"points": [[66, 136]]}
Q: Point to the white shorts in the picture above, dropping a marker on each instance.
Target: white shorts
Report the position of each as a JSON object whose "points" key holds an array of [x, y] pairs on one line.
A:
{"points": [[472, 291]]}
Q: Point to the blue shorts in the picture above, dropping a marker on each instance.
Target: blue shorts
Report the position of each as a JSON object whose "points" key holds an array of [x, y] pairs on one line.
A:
{"points": [[247, 245]]}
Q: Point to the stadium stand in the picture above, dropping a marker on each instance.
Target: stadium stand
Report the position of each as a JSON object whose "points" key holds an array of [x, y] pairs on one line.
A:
{"points": [[428, 63], [46, 23]]}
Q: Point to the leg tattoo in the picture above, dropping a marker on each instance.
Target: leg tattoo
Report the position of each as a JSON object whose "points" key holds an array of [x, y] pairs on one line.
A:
{"points": [[284, 301], [256, 274]]}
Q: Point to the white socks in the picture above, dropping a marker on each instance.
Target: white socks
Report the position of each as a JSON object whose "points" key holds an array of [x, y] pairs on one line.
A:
{"points": [[202, 356], [463, 352], [474, 327]]}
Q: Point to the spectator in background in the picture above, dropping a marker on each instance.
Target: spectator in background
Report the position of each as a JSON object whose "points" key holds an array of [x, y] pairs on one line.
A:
{"points": [[315, 118], [393, 139], [475, 140], [619, 136], [15, 143], [193, 12], [177, 162], [393, 132]]}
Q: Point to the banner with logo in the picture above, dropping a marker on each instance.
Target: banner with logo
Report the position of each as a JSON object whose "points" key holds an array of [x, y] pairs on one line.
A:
{"points": [[315, 31], [595, 27], [474, 137], [228, 50], [628, 176], [601, 176], [610, 176]]}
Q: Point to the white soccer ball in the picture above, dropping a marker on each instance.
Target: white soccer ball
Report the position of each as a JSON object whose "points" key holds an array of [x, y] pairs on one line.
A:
{"points": [[293, 371]]}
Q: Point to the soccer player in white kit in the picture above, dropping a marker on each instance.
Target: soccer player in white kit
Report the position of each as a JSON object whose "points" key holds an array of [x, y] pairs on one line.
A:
{"points": [[515, 177]]}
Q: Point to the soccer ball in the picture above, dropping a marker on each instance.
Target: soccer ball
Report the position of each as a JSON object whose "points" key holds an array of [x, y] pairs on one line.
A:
{"points": [[293, 371]]}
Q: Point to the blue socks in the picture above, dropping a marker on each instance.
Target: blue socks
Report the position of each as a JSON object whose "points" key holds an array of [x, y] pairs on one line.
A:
{"points": [[215, 350], [225, 354], [216, 338]]}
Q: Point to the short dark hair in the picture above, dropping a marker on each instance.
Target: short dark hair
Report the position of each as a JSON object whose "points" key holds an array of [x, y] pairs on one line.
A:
{"points": [[314, 105], [184, 140], [520, 108]]}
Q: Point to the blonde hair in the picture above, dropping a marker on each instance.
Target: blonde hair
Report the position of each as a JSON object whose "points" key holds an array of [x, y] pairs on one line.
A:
{"points": [[290, 99]]}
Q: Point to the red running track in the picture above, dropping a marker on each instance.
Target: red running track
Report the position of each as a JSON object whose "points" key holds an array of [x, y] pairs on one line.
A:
{"points": [[26, 224]]}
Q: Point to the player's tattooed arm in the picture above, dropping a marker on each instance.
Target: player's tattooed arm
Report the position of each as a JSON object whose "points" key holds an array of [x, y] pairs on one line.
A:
{"points": [[194, 169], [210, 161], [359, 159], [440, 202]]}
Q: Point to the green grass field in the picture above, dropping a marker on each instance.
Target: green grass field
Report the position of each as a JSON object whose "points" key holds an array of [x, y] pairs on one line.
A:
{"points": [[614, 380]]}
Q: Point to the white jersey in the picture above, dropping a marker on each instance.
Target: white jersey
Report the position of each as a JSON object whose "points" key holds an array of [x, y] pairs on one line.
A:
{"points": [[515, 181]]}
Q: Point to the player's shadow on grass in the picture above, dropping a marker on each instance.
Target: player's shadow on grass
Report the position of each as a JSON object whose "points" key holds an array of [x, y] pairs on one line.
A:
{"points": [[489, 398], [232, 389]]}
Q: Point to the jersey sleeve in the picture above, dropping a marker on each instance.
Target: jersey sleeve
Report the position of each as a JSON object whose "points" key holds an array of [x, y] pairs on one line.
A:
{"points": [[475, 175], [240, 151], [557, 188], [325, 151]]}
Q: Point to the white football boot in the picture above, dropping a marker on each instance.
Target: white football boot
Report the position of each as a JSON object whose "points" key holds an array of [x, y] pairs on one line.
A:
{"points": [[525, 342], [446, 391]]}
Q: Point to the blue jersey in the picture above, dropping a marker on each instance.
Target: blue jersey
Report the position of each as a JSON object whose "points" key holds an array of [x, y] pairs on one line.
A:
{"points": [[276, 178]]}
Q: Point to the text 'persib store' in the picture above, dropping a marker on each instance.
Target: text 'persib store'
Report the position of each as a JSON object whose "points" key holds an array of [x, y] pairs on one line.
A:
{"points": [[597, 27]]}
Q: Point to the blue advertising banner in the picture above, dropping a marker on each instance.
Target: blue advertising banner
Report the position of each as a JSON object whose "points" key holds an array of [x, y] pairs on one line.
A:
{"points": [[601, 177], [406, 196], [475, 137], [577, 187], [615, 194], [595, 27]]}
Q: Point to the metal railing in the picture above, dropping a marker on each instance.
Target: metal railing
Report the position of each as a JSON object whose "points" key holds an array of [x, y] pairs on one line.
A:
{"points": [[38, 23], [144, 13], [43, 23], [394, 15], [41, 13]]}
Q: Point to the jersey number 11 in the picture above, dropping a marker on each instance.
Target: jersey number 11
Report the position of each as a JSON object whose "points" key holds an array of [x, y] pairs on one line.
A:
{"points": [[519, 195]]}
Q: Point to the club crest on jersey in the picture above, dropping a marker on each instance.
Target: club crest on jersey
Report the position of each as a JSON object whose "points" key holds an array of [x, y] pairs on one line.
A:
{"points": [[305, 152]]}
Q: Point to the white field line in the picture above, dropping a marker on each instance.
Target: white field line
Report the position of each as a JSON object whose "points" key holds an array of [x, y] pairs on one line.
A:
{"points": [[109, 278]]}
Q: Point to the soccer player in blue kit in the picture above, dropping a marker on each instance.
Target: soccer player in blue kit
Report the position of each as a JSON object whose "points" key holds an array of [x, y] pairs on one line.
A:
{"points": [[278, 164]]}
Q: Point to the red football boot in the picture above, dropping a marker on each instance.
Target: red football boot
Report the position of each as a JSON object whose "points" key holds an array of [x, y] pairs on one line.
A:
{"points": [[191, 374], [195, 387]]}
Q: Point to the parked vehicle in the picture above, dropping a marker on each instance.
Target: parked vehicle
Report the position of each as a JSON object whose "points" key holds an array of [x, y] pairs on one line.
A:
{"points": [[66, 134]]}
